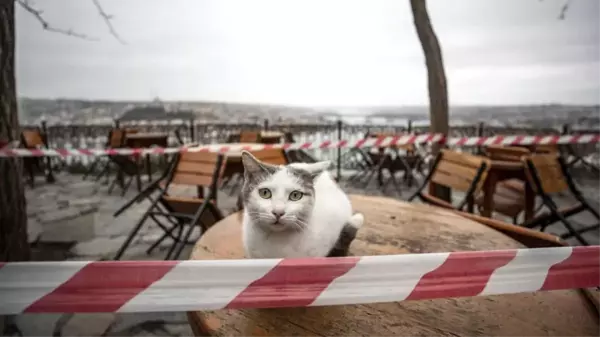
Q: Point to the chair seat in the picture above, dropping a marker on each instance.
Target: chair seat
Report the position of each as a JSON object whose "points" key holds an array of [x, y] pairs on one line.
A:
{"points": [[181, 204]]}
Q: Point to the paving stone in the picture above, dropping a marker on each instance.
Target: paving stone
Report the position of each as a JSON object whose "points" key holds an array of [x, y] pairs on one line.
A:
{"points": [[37, 324], [59, 215], [99, 247], [80, 228], [34, 230], [88, 324]]}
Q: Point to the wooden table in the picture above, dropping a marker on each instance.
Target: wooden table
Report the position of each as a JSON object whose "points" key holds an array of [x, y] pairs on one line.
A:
{"points": [[502, 170], [395, 227], [271, 137], [233, 160], [147, 139]]}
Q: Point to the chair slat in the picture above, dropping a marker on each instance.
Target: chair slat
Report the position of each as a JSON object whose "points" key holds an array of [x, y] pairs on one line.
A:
{"points": [[464, 159], [549, 171], [199, 157], [196, 168], [32, 138], [463, 171], [191, 179], [450, 180]]}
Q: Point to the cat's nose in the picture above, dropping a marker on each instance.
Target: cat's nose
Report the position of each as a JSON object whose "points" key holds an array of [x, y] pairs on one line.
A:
{"points": [[278, 214]]}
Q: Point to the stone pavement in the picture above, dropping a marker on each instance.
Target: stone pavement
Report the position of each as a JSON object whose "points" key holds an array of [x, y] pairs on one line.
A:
{"points": [[72, 220]]}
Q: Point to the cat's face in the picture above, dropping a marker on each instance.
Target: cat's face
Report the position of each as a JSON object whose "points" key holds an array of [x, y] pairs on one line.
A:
{"points": [[279, 198]]}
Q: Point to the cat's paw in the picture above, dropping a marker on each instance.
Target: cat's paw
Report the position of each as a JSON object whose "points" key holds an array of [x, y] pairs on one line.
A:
{"points": [[357, 220]]}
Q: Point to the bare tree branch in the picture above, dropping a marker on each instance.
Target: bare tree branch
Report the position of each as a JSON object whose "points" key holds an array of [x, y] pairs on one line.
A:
{"points": [[38, 15], [107, 19], [25, 4], [564, 9]]}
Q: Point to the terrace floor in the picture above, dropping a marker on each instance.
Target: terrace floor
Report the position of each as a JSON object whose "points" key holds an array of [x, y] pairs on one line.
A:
{"points": [[72, 219]]}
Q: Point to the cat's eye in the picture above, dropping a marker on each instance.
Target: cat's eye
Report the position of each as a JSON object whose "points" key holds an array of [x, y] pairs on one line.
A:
{"points": [[296, 195], [264, 193]]}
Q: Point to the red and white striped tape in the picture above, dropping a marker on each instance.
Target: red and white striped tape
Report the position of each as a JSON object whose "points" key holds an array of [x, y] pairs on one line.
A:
{"points": [[327, 144], [143, 286]]}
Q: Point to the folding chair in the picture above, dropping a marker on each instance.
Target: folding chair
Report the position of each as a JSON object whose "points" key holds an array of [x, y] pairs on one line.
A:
{"points": [[548, 175], [460, 171], [200, 169], [116, 139], [33, 139], [126, 165]]}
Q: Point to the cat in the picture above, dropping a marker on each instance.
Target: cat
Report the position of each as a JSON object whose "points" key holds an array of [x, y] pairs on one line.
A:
{"points": [[294, 210]]}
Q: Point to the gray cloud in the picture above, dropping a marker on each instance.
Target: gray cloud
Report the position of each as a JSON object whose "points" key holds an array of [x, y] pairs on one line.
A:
{"points": [[312, 52]]}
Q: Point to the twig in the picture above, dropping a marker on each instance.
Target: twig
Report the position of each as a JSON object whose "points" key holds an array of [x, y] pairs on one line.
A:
{"points": [[38, 15], [105, 16], [107, 19], [564, 9]]}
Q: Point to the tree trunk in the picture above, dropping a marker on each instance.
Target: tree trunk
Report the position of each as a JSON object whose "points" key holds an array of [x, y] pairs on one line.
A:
{"points": [[436, 77], [13, 215]]}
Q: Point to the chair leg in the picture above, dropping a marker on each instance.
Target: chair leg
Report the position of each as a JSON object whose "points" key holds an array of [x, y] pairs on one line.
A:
{"points": [[92, 168], [175, 243], [126, 187], [132, 234], [570, 228], [184, 240]]}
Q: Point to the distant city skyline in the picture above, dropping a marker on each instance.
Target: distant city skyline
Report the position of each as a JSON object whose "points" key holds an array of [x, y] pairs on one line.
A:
{"points": [[309, 53]]}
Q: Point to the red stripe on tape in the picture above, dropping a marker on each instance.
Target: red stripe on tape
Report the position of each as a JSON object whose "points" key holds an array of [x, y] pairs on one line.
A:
{"points": [[37, 152], [574, 139], [102, 286], [325, 144], [517, 140], [462, 274], [361, 142], [293, 283], [580, 270]]}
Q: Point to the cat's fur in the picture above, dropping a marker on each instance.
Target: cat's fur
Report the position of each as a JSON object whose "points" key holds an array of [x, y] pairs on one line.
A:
{"points": [[310, 226]]}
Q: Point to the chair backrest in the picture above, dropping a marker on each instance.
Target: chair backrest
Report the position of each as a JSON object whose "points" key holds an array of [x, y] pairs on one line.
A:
{"points": [[545, 172], [271, 156], [116, 137], [203, 169], [249, 137], [506, 153], [461, 171], [33, 138]]}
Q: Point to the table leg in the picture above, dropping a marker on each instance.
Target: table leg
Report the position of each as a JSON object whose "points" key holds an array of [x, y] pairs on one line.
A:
{"points": [[148, 168], [529, 202], [489, 188], [50, 176]]}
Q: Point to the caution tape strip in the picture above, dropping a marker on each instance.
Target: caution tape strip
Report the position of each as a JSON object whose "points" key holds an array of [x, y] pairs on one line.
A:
{"points": [[144, 286], [387, 141]]}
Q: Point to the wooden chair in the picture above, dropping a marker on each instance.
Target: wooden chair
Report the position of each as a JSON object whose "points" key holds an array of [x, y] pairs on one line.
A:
{"points": [[127, 166], [548, 176], [34, 139], [200, 169], [458, 171], [509, 198], [249, 137], [115, 140]]}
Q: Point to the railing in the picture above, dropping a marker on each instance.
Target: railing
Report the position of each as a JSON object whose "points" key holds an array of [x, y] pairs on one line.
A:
{"points": [[95, 136]]}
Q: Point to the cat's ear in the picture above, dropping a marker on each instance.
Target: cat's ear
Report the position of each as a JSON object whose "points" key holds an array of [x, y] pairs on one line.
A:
{"points": [[252, 165], [314, 169]]}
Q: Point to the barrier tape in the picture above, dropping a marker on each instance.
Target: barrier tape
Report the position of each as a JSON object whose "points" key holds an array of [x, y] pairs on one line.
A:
{"points": [[327, 144], [144, 286]]}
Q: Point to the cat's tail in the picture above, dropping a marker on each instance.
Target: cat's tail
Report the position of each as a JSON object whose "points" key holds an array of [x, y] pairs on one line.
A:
{"points": [[356, 220]]}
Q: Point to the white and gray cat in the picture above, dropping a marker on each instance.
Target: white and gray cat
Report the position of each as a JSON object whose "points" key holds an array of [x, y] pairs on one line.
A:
{"points": [[296, 210]]}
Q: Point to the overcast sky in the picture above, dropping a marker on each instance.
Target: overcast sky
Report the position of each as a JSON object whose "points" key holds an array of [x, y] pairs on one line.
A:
{"points": [[312, 52]]}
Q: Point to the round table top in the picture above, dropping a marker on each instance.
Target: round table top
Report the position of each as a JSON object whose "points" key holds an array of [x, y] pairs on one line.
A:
{"points": [[396, 227]]}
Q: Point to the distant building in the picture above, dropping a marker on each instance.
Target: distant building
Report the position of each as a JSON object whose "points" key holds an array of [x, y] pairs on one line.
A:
{"points": [[155, 112]]}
